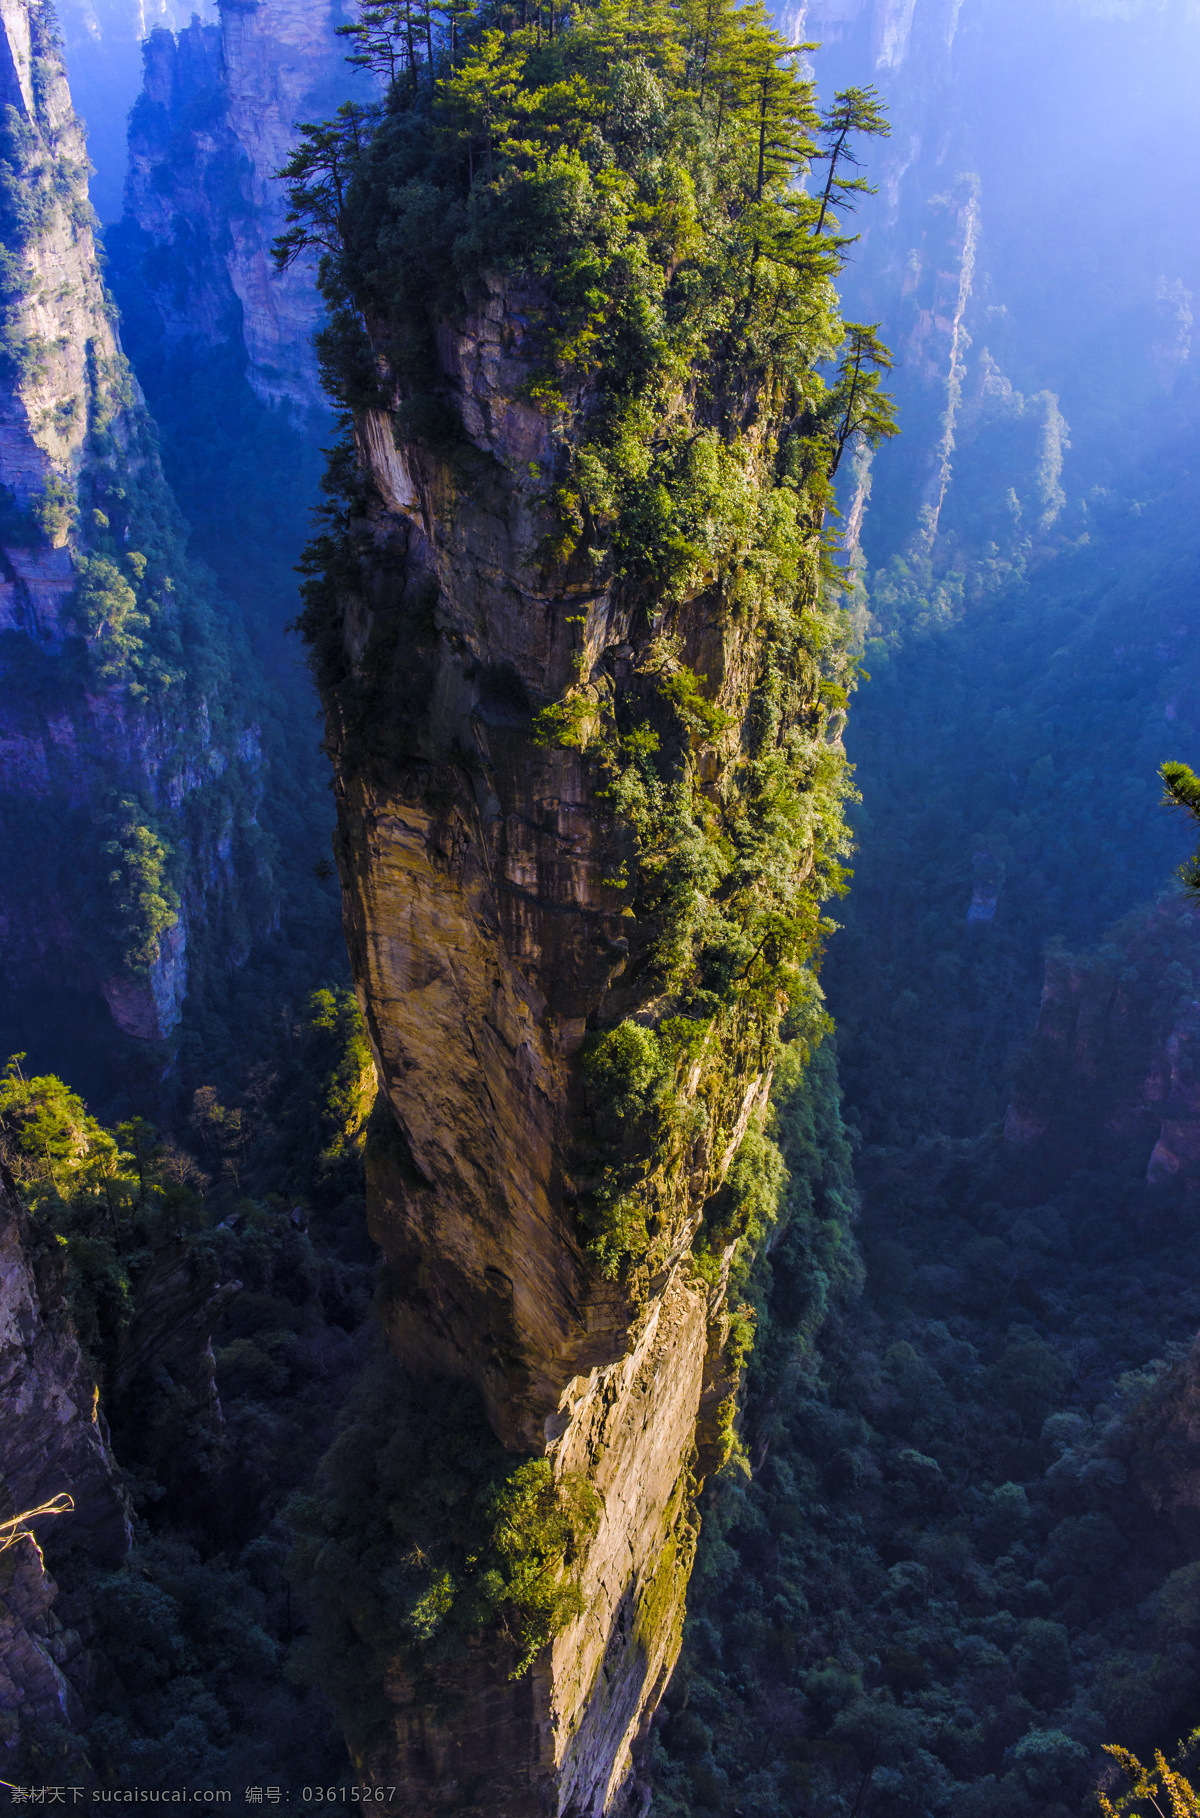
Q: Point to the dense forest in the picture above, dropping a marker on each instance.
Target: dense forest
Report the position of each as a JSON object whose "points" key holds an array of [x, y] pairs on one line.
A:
{"points": [[954, 1576], [953, 1551]]}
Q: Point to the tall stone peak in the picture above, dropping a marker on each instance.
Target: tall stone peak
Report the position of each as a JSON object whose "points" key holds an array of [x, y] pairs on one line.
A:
{"points": [[128, 754], [883, 33], [216, 120], [574, 1071], [60, 342]]}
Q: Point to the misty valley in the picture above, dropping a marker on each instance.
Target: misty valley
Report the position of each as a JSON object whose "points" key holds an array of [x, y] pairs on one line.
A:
{"points": [[600, 907]]}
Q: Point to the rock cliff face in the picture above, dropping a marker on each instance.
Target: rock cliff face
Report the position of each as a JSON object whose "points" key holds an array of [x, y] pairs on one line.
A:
{"points": [[978, 451], [128, 764], [215, 121], [51, 1440], [584, 674], [102, 46], [1114, 1053], [489, 929], [992, 342], [484, 931], [885, 34]]}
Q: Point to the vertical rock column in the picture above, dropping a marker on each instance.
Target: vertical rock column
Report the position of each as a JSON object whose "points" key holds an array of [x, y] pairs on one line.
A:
{"points": [[214, 123], [128, 757], [485, 929]]}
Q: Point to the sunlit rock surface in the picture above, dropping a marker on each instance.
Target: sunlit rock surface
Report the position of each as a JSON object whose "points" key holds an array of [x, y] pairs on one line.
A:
{"points": [[484, 930]]}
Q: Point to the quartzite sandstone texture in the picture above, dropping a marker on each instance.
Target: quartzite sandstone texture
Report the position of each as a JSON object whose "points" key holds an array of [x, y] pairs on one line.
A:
{"points": [[51, 1440], [483, 934], [214, 123], [79, 740]]}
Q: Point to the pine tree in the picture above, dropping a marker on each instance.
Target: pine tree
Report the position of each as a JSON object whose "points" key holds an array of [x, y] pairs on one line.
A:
{"points": [[1182, 790], [854, 110]]}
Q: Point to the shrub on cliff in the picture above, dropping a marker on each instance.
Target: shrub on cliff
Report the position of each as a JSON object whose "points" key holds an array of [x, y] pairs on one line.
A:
{"points": [[638, 171], [625, 1069], [421, 1532]]}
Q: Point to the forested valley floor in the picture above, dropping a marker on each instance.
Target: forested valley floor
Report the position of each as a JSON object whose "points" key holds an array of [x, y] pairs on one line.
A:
{"points": [[965, 1559]]}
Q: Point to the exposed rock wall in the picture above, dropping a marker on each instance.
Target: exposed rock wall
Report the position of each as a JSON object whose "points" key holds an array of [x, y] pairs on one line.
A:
{"points": [[485, 930], [995, 351], [215, 121], [563, 1739], [1114, 1052], [926, 269], [128, 757], [51, 1440], [102, 46]]}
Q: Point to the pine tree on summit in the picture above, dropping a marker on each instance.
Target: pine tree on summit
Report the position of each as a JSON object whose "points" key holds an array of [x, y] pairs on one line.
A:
{"points": [[854, 110], [1182, 790]]}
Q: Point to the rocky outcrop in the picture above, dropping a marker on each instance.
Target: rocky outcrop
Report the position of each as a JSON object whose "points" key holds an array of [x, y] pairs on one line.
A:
{"points": [[1114, 1052], [214, 123], [883, 35], [483, 933], [170, 1328], [39, 1658], [102, 47], [983, 460], [565, 1737], [943, 265], [52, 1440], [128, 757], [489, 929]]}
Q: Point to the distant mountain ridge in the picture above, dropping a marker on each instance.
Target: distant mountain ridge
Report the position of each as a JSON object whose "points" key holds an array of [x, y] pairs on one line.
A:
{"points": [[129, 753], [214, 123]]}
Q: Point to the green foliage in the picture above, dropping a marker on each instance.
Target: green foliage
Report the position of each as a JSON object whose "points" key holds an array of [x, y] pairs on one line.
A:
{"points": [[144, 902], [854, 111], [108, 612], [422, 1533], [625, 1069], [541, 1528], [1181, 789], [643, 167], [189, 1637], [104, 1205], [149, 630], [52, 509], [638, 171], [335, 1018], [1016, 723], [946, 1579], [747, 1203], [249, 475]]}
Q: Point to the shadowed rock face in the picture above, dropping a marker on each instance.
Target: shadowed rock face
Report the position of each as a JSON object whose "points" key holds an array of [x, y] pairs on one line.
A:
{"points": [[1114, 1052], [485, 929], [215, 121], [115, 701], [51, 1440]]}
